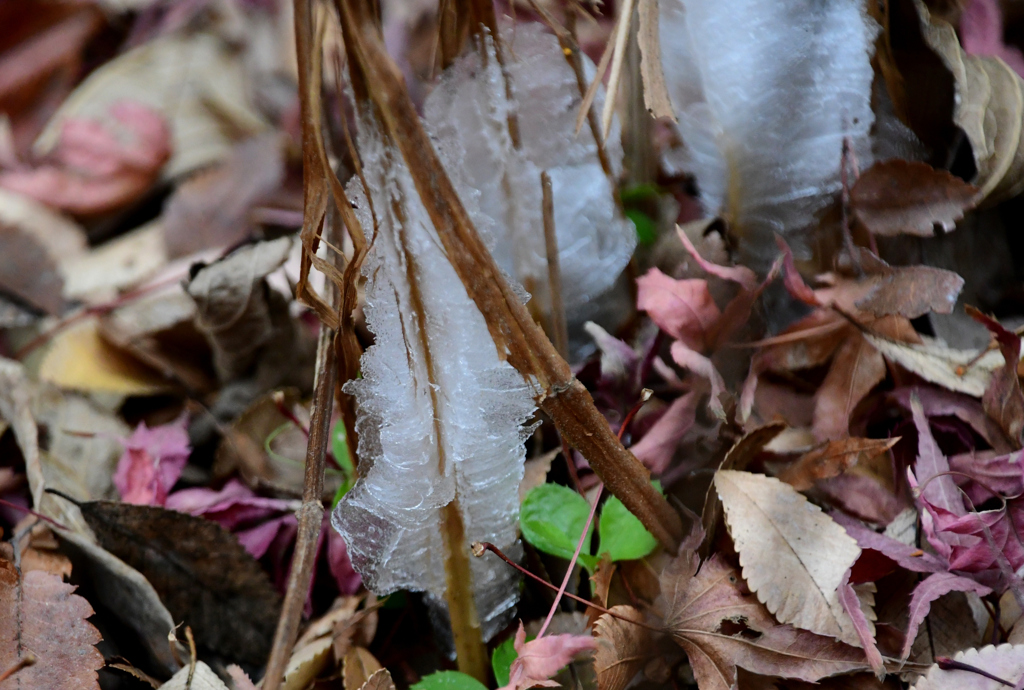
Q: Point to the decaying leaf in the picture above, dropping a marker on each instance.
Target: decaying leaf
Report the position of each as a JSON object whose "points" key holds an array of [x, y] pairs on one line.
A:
{"points": [[793, 555], [832, 459], [622, 648], [908, 291], [201, 677], [1005, 662], [379, 680], [957, 370], [359, 665], [1004, 401], [902, 197], [856, 369], [202, 573], [721, 626], [928, 590], [41, 617], [540, 659]]}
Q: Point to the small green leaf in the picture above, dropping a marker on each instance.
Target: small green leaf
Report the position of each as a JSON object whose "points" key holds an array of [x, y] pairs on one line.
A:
{"points": [[502, 657], [552, 519], [449, 680], [646, 231], [622, 535], [339, 447]]}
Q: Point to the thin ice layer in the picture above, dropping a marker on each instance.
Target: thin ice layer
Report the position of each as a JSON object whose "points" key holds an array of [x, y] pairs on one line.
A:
{"points": [[467, 115], [765, 93], [440, 417]]}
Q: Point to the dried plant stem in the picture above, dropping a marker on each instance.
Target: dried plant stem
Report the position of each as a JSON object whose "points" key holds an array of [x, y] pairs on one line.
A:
{"points": [[310, 514], [618, 58], [559, 329], [515, 334]]}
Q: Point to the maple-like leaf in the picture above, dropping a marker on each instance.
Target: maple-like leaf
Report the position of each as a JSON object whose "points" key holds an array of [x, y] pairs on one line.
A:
{"points": [[542, 658], [721, 626], [40, 616], [152, 462], [658, 446], [794, 556], [930, 589], [622, 648], [1005, 662], [682, 308]]}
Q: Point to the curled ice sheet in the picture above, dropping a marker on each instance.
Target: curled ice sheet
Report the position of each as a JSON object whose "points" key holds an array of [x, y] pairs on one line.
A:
{"points": [[440, 417], [500, 184], [765, 93]]}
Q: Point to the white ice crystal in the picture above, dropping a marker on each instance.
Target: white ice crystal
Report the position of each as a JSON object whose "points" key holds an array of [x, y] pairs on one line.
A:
{"points": [[440, 417], [500, 185], [765, 93]]}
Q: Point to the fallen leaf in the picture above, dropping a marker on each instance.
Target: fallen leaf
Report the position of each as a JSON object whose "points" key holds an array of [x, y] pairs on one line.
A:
{"points": [[40, 616], [379, 680], [359, 665], [981, 33], [306, 663], [29, 272], [543, 657], [211, 209], [202, 678], [932, 468], [955, 370], [956, 621], [903, 197], [1004, 401], [622, 648], [832, 459], [92, 171], [793, 555], [152, 462], [80, 359], [856, 369], [930, 589], [704, 368], [1005, 661], [202, 573], [105, 272], [240, 678], [720, 627], [909, 291], [658, 446], [741, 275], [682, 308]]}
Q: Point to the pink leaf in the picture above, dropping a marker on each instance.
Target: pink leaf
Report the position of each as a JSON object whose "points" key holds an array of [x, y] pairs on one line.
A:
{"points": [[932, 467], [542, 658], [981, 33], [746, 278], [338, 561], [682, 308], [658, 446], [794, 283], [234, 505], [907, 557], [152, 462], [258, 539], [702, 366], [851, 604], [94, 171], [930, 589]]}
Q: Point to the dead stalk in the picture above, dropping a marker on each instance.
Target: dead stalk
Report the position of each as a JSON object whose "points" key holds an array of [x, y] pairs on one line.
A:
{"points": [[310, 514], [559, 330]]}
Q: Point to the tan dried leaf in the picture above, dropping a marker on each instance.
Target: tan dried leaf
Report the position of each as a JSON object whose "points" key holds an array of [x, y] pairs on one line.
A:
{"points": [[40, 616], [793, 555], [1005, 661], [357, 668], [203, 678], [622, 648], [856, 369], [379, 680], [832, 459], [952, 369], [901, 197], [306, 664]]}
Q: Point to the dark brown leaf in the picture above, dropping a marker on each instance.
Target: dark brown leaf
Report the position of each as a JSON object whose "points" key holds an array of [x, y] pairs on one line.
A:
{"points": [[41, 617], [1003, 400], [720, 626], [832, 459], [202, 573], [622, 648], [901, 197]]}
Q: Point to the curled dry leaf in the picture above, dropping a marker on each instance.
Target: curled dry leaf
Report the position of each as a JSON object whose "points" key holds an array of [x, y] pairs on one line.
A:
{"points": [[902, 197], [379, 680], [960, 371], [622, 648], [1005, 661], [41, 617], [1004, 401], [832, 459], [540, 659], [359, 665], [721, 626], [856, 369], [794, 556], [203, 574], [908, 291]]}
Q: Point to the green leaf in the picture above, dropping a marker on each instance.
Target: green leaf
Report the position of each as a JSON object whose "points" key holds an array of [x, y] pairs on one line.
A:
{"points": [[339, 447], [622, 535], [646, 230], [449, 680], [502, 657], [552, 519]]}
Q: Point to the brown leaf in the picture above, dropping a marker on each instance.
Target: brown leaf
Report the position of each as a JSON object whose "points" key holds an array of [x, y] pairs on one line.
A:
{"points": [[901, 197], [211, 209], [952, 369], [1003, 400], [832, 459], [720, 626], [41, 617], [622, 648], [28, 272], [655, 93], [909, 291], [201, 571], [358, 667], [856, 369], [600, 586], [379, 680]]}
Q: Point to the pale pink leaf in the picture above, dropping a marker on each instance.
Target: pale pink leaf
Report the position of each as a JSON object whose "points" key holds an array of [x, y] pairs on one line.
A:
{"points": [[658, 446], [742, 275], [794, 283], [908, 557], [542, 658], [152, 462], [930, 589], [981, 33], [1005, 662], [932, 467], [865, 630], [682, 308], [703, 367]]}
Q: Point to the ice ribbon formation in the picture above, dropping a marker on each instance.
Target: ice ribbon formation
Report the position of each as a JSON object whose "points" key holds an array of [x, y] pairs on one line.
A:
{"points": [[499, 184], [765, 93], [440, 417]]}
